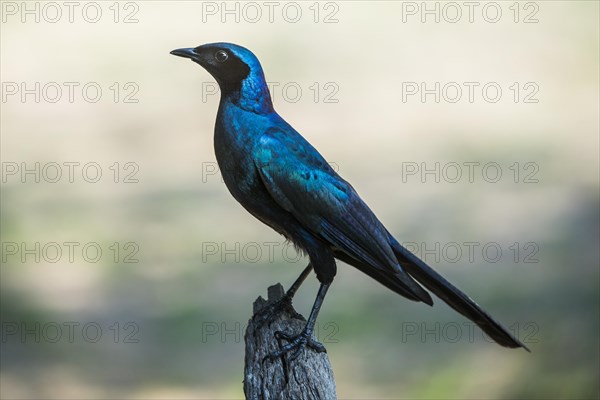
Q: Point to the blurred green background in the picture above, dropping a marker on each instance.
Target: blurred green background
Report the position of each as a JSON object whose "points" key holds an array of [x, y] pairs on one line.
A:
{"points": [[160, 312]]}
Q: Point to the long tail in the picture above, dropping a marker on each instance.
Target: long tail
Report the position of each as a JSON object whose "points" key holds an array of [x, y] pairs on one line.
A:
{"points": [[453, 296], [386, 278]]}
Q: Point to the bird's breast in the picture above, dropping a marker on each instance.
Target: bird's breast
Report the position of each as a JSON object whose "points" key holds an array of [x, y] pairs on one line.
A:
{"points": [[236, 134]]}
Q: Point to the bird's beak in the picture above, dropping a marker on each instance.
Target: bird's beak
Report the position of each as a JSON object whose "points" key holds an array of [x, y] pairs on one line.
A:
{"points": [[187, 53]]}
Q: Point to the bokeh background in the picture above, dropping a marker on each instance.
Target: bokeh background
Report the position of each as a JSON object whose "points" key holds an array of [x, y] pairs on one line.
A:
{"points": [[160, 313]]}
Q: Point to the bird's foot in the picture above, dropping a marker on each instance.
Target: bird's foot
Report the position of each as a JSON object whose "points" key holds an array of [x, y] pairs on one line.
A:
{"points": [[270, 311], [296, 343]]}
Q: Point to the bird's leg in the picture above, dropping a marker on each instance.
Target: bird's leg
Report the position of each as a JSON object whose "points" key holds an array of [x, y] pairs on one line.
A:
{"points": [[267, 313], [304, 339], [292, 290]]}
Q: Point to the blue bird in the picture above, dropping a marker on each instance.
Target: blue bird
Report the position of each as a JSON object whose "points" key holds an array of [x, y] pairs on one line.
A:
{"points": [[277, 176]]}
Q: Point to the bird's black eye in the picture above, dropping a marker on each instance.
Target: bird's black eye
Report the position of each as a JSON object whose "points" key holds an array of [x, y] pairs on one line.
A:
{"points": [[221, 56]]}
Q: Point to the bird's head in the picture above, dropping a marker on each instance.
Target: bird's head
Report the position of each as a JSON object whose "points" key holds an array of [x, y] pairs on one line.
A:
{"points": [[234, 67]]}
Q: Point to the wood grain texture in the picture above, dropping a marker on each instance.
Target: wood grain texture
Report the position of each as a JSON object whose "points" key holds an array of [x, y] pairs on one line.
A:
{"points": [[309, 377]]}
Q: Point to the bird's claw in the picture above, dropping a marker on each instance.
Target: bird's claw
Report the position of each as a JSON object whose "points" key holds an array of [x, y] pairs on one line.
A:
{"points": [[296, 343]]}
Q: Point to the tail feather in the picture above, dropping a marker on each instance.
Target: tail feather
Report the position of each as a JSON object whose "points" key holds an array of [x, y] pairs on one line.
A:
{"points": [[386, 278], [453, 296]]}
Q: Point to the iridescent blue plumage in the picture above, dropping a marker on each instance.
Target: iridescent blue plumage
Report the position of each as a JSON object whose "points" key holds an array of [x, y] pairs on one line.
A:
{"points": [[273, 172]]}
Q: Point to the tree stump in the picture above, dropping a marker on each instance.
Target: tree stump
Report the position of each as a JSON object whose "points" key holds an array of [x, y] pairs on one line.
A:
{"points": [[309, 377]]}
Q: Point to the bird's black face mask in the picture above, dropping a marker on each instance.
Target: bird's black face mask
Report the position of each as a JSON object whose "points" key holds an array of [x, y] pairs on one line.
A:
{"points": [[225, 66]]}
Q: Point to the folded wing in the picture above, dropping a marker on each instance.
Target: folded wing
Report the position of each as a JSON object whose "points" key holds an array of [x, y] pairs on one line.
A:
{"points": [[302, 183]]}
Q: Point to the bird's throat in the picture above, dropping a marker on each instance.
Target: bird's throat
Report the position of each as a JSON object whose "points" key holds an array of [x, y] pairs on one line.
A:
{"points": [[252, 94]]}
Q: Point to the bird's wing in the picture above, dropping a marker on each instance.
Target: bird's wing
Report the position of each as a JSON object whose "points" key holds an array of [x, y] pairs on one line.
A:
{"points": [[302, 183]]}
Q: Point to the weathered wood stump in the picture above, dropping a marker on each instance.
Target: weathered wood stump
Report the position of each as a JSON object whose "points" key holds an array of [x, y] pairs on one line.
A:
{"points": [[309, 377]]}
